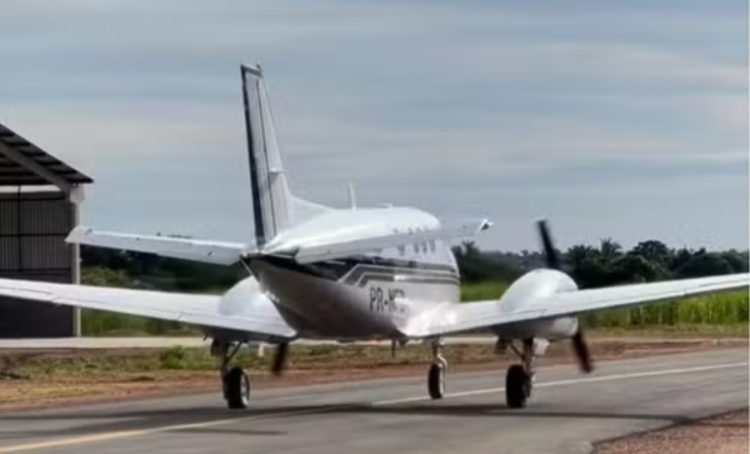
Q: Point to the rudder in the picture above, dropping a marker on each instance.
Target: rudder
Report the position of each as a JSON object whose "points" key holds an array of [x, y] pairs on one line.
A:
{"points": [[271, 197]]}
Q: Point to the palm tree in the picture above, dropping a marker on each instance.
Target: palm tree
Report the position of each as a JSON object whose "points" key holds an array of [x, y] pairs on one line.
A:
{"points": [[610, 250]]}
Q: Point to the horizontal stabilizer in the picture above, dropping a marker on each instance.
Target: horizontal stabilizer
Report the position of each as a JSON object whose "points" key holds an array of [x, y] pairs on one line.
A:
{"points": [[332, 251], [216, 252]]}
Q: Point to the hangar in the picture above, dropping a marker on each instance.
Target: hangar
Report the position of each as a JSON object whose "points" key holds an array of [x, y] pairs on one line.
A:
{"points": [[40, 198]]}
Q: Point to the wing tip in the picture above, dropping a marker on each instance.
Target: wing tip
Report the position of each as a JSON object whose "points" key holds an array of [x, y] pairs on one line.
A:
{"points": [[77, 235]]}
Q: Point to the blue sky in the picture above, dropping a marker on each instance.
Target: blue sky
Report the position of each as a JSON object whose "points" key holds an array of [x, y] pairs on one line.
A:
{"points": [[613, 119]]}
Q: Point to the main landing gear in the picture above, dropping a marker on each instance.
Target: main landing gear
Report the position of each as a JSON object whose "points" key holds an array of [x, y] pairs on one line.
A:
{"points": [[235, 383], [520, 377], [436, 374]]}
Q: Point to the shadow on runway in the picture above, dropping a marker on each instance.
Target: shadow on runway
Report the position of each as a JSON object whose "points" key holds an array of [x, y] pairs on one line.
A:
{"points": [[90, 423]]}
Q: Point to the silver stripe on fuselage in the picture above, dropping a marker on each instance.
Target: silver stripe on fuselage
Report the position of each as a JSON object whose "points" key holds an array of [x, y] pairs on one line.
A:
{"points": [[367, 278], [360, 274]]}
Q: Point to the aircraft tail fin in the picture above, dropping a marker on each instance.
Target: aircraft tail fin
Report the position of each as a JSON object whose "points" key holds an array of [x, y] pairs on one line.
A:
{"points": [[274, 207]]}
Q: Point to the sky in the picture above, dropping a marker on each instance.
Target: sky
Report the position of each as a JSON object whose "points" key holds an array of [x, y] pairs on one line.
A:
{"points": [[623, 120]]}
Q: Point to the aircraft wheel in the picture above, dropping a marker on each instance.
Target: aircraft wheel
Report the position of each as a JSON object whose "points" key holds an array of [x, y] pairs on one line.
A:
{"points": [[237, 389], [436, 381], [517, 386]]}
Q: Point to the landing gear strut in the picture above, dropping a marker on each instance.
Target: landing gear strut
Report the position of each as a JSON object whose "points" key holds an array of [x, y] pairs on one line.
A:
{"points": [[436, 374], [519, 379], [235, 383]]}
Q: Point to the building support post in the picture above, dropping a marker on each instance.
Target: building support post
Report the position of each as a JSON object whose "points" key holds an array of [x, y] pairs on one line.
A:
{"points": [[76, 198]]}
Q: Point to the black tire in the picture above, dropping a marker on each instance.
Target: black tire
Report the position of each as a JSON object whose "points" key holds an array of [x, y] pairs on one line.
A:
{"points": [[517, 387], [436, 381], [237, 389]]}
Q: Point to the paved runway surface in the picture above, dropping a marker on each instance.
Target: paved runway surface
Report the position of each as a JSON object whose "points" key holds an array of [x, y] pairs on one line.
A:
{"points": [[568, 412]]}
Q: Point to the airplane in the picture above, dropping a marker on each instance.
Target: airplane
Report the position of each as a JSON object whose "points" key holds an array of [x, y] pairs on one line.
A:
{"points": [[354, 274]]}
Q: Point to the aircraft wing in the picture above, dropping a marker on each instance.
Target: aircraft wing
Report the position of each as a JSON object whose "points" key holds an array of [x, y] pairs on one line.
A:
{"points": [[216, 252], [248, 310], [455, 318], [336, 250]]}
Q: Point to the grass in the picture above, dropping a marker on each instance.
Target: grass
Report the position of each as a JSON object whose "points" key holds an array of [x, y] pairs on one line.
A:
{"points": [[302, 358], [679, 331], [483, 291], [102, 323], [715, 310]]}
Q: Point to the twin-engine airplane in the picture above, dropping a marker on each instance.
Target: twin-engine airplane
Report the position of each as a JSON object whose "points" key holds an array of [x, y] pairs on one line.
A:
{"points": [[353, 274]]}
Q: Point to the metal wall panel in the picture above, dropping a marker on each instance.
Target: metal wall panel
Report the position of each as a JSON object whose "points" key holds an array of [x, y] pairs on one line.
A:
{"points": [[45, 253], [45, 217], [10, 253], [8, 217], [33, 227]]}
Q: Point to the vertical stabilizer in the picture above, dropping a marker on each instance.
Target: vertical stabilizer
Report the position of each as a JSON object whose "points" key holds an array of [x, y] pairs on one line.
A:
{"points": [[271, 198]]}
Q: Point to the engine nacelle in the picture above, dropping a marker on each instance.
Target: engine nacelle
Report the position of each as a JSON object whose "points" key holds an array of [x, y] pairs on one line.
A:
{"points": [[246, 297], [528, 293]]}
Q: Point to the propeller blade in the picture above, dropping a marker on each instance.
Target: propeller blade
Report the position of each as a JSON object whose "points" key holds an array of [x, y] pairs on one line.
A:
{"points": [[279, 360], [582, 352], [552, 258], [550, 253]]}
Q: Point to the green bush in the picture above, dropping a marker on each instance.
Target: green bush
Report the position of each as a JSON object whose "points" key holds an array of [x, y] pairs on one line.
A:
{"points": [[483, 291], [174, 358]]}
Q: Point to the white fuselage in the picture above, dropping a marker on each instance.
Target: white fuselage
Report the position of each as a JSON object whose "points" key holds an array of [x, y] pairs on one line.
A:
{"points": [[325, 271], [362, 296]]}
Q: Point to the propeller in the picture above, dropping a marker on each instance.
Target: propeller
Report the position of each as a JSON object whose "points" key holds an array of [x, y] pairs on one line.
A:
{"points": [[279, 359], [552, 258], [550, 253]]}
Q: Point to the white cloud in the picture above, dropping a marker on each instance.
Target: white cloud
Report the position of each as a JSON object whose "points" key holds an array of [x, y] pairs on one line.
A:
{"points": [[602, 64], [342, 148]]}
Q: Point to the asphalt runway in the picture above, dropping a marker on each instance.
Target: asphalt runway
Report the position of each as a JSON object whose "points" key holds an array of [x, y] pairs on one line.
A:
{"points": [[568, 412]]}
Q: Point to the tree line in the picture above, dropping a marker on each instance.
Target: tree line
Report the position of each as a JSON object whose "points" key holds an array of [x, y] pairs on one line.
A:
{"points": [[605, 264]]}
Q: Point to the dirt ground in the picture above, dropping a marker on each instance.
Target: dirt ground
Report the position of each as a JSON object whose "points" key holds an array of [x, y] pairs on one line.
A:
{"points": [[723, 434], [105, 376]]}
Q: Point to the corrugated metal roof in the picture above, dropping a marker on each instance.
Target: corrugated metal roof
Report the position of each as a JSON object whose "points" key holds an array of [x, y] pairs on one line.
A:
{"points": [[15, 173]]}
